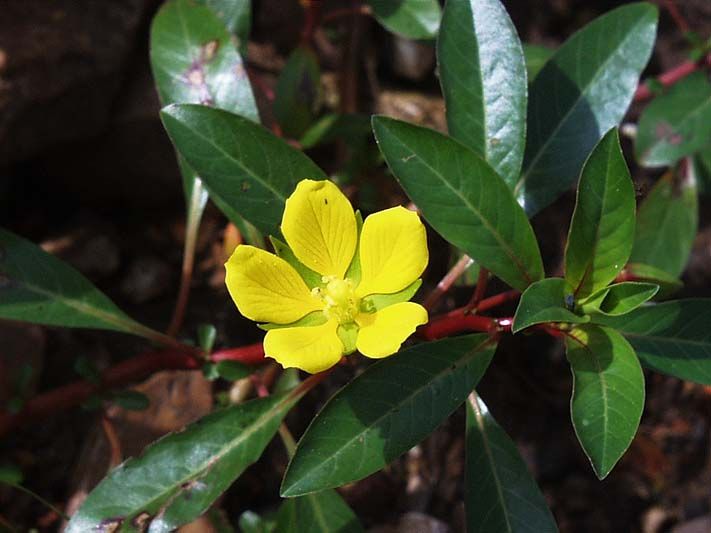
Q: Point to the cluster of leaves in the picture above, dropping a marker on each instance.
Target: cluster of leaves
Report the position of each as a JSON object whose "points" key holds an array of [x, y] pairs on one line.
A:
{"points": [[514, 146]]}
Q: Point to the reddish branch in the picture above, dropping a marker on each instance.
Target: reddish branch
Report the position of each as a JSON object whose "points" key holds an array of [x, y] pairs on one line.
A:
{"points": [[120, 375], [672, 76]]}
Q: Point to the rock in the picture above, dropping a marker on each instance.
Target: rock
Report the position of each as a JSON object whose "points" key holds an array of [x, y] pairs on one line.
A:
{"points": [[61, 65]]}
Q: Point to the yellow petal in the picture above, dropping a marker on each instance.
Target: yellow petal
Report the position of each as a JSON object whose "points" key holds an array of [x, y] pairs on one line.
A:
{"points": [[382, 333], [266, 288], [312, 349], [393, 251], [320, 227]]}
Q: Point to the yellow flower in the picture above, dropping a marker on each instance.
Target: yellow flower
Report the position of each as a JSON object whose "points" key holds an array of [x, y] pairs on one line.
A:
{"points": [[328, 292]]}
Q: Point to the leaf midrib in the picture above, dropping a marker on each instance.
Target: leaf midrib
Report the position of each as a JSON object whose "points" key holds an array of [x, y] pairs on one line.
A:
{"points": [[487, 450], [395, 407], [502, 243], [259, 424], [583, 94], [267, 185]]}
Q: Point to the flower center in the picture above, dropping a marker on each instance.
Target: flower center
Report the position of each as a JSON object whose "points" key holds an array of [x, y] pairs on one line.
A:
{"points": [[339, 298]]}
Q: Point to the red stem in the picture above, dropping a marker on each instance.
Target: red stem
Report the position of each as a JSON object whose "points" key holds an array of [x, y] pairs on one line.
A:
{"points": [[312, 19], [120, 375], [481, 284], [670, 77], [142, 366], [679, 19]]}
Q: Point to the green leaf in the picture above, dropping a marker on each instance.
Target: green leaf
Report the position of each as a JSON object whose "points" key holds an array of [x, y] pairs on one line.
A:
{"points": [[666, 225], [385, 411], [544, 301], [237, 17], [241, 163], [675, 124], [608, 393], [483, 77], [251, 522], [414, 19], [233, 370], [463, 199], [39, 288], [536, 57], [10, 474], [321, 512], [206, 335], [581, 92], [620, 298], [177, 478], [194, 60], [649, 274], [298, 92], [500, 493], [672, 337], [131, 400], [602, 230]]}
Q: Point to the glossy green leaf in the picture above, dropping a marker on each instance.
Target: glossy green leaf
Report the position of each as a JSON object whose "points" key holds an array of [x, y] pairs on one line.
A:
{"points": [[237, 17], [131, 400], [177, 478], [544, 301], [608, 393], [376, 302], [620, 298], [483, 77], [415, 19], [463, 199], [602, 229], [672, 337], [536, 57], [194, 60], [581, 92], [10, 474], [251, 522], [321, 512], [298, 92], [667, 284], [666, 225], [500, 493], [385, 411], [37, 287], [241, 163], [675, 124]]}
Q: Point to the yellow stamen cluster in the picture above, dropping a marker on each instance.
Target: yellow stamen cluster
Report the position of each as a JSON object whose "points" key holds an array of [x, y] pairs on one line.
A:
{"points": [[340, 301]]}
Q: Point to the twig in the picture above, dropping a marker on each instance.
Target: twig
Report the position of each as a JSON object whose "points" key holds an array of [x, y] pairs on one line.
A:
{"points": [[479, 292], [114, 442], [361, 9], [195, 209], [311, 20], [670, 77], [679, 19], [120, 375], [447, 281]]}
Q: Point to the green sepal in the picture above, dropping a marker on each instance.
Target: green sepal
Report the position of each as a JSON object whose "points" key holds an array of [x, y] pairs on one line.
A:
{"points": [[348, 333], [314, 318], [312, 279], [376, 302], [619, 298], [353, 273]]}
